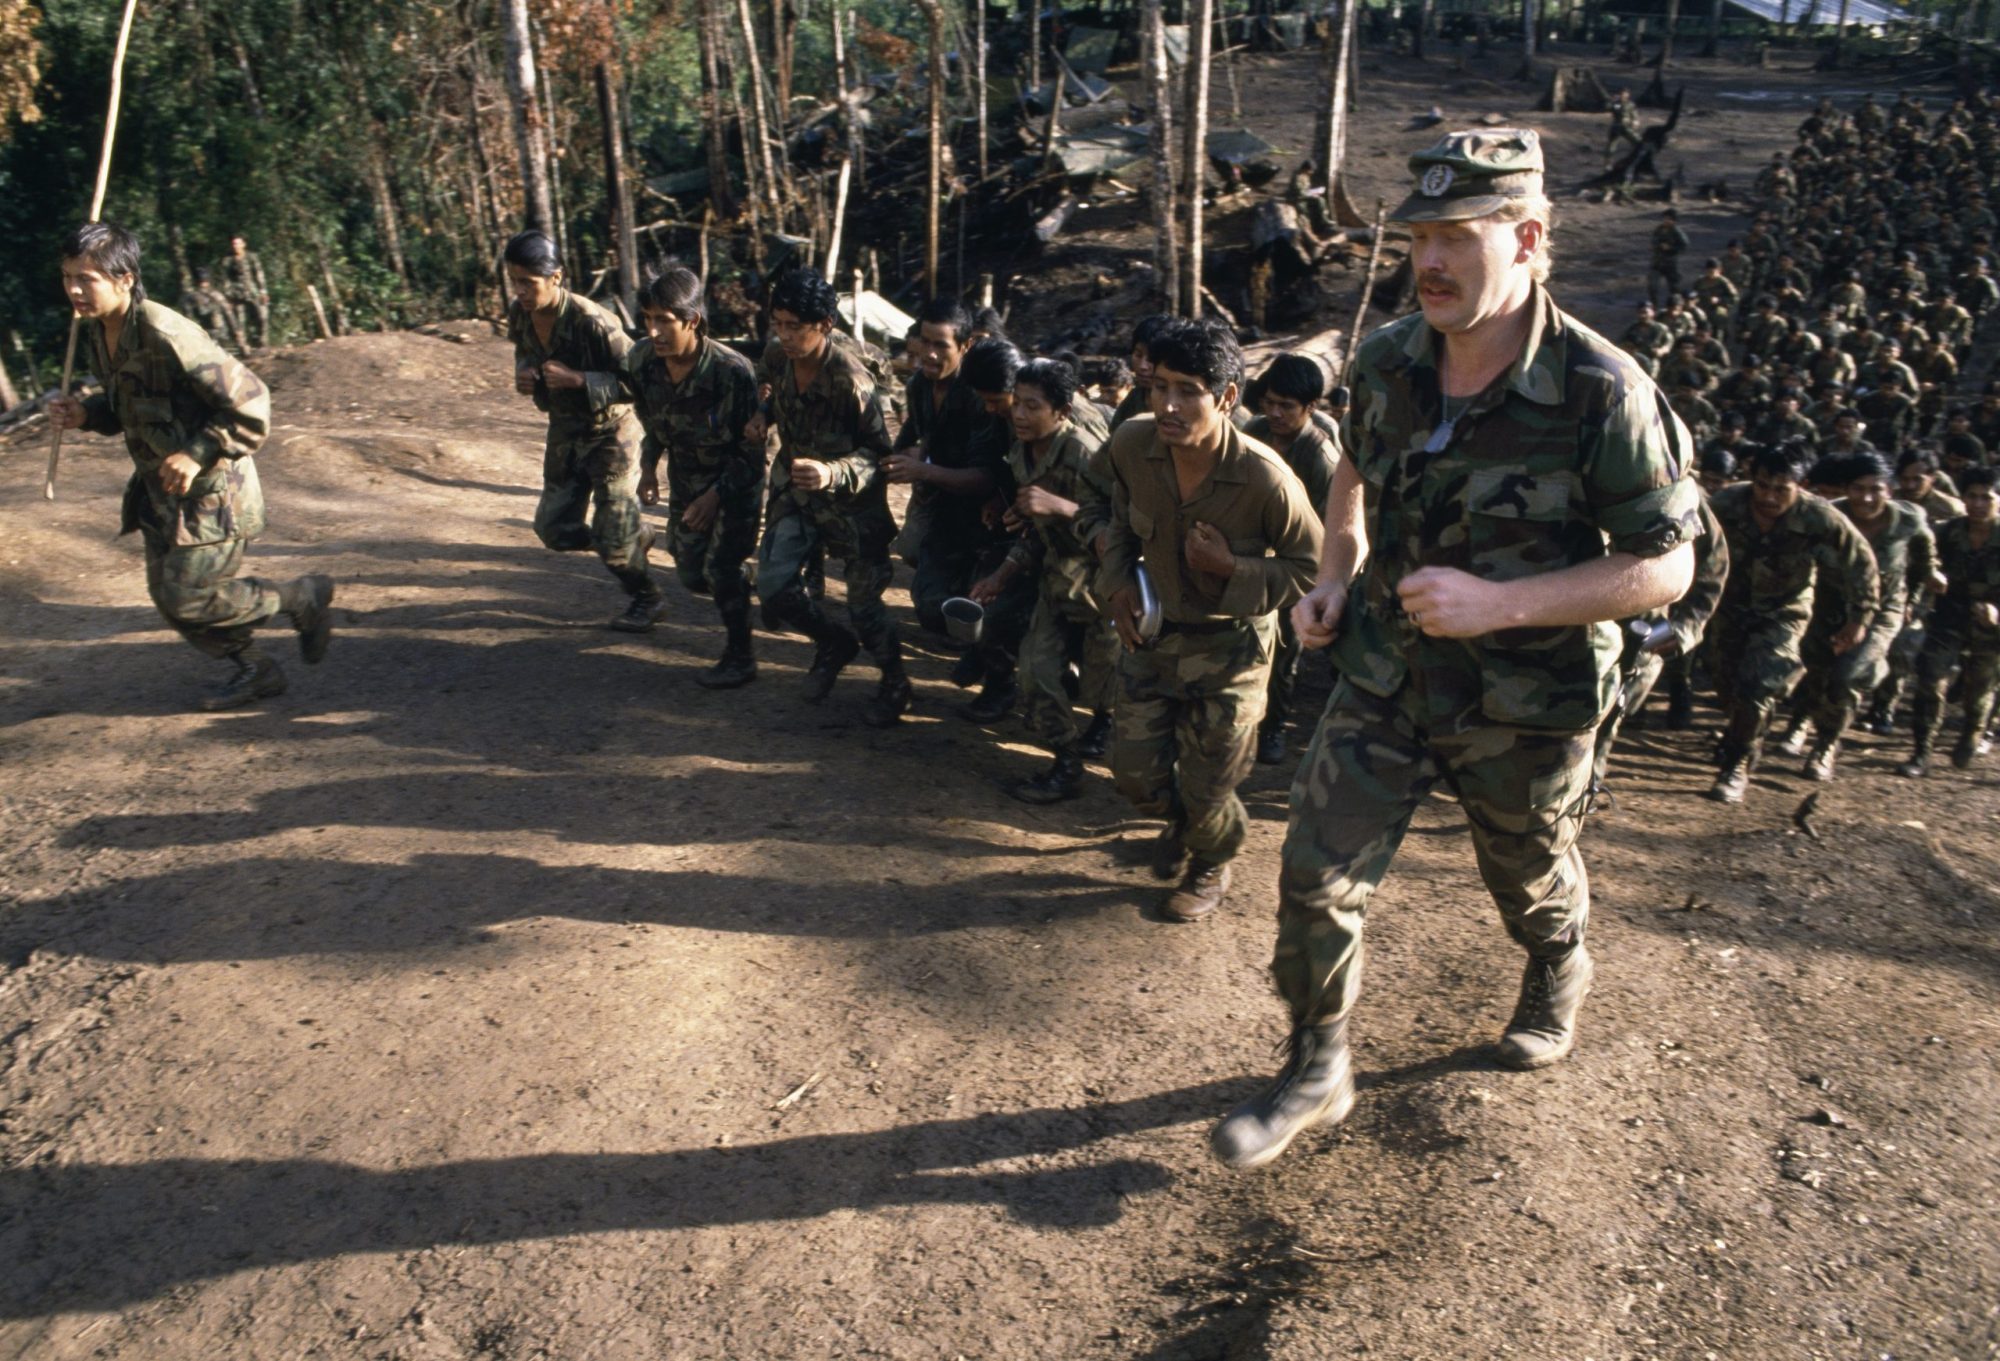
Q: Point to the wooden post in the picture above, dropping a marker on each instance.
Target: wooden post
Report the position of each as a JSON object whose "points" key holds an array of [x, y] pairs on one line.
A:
{"points": [[1166, 215], [325, 331], [1201, 24], [1367, 292], [986, 290], [96, 213], [1338, 55], [979, 56], [839, 217], [860, 326], [9, 399], [1034, 44]]}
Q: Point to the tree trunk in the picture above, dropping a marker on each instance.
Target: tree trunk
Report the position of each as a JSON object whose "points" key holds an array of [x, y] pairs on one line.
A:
{"points": [[1667, 37], [934, 180], [784, 35], [1339, 67], [714, 124], [762, 125], [753, 194], [1423, 29], [1194, 153], [536, 207], [558, 146], [1034, 44], [1529, 13], [617, 196], [385, 210], [979, 75], [1840, 33], [1714, 44], [1166, 238]]}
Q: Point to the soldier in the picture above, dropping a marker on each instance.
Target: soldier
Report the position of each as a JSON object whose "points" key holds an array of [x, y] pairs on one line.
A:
{"points": [[569, 355], [1718, 296], [1647, 341], [1964, 630], [1049, 463], [1889, 410], [1917, 481], [1669, 242], [1906, 566], [1136, 401], [950, 451], [1782, 541], [1225, 533], [827, 492], [697, 399], [1747, 389], [208, 309], [1515, 480], [1784, 423], [243, 284], [192, 418], [1289, 393], [1624, 127]]}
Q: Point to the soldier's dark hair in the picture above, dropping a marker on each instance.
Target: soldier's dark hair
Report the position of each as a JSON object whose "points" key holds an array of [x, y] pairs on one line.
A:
{"points": [[1977, 477], [806, 296], [1069, 357], [1921, 459], [201, 275], [989, 320], [944, 311], [1832, 470], [1294, 377], [1792, 460], [1149, 328], [1339, 396], [534, 252], [1201, 349], [1116, 373], [1717, 463], [1867, 463], [677, 289], [1734, 419], [991, 365], [1055, 380], [109, 249]]}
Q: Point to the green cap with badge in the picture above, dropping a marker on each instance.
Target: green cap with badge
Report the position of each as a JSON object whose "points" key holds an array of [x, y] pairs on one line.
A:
{"points": [[1471, 174]]}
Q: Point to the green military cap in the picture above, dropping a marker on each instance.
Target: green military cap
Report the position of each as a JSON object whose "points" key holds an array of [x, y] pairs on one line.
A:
{"points": [[1471, 174]]}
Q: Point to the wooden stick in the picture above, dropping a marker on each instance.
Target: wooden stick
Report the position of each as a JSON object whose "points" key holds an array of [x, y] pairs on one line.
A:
{"points": [[320, 312], [96, 212], [839, 216], [1367, 292]]}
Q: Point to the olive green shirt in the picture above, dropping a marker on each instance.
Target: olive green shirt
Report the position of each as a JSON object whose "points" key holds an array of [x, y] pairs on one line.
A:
{"points": [[1076, 466], [589, 340]]}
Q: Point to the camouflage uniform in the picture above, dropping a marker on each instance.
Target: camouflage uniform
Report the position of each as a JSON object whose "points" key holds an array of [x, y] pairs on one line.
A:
{"points": [[1055, 555], [697, 424], [836, 420], [1905, 558], [1312, 456], [1956, 638], [1753, 644], [1669, 241], [1572, 453], [591, 460], [1188, 703], [211, 311], [171, 390], [242, 279]]}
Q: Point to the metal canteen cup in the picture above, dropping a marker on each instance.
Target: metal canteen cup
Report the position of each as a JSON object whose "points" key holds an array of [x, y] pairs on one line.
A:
{"points": [[964, 619], [1149, 605]]}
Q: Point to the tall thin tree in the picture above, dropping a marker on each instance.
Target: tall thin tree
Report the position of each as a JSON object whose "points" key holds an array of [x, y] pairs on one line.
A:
{"points": [[1194, 154], [1339, 49], [934, 180], [1166, 212], [537, 206], [617, 194], [715, 123]]}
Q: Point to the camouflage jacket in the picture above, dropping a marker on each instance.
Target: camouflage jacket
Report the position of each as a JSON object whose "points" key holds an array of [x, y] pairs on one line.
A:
{"points": [[836, 420], [1311, 456], [585, 338], [1772, 573], [1688, 617], [956, 432], [1905, 557], [1057, 548], [1251, 497], [1570, 455], [171, 390], [209, 310], [1972, 576], [1668, 242], [242, 276], [697, 423]]}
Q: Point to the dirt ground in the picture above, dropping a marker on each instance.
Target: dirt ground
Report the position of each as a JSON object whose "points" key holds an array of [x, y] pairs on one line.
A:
{"points": [[498, 992]]}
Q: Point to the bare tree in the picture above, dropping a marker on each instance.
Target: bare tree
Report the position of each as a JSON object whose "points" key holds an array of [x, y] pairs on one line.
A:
{"points": [[617, 195], [1034, 44], [757, 118], [784, 41], [934, 180], [720, 192], [1339, 53], [979, 58], [536, 206], [1667, 36], [1166, 214], [1194, 154]]}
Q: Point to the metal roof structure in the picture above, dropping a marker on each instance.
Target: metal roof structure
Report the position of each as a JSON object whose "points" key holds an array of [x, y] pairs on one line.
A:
{"points": [[1868, 13]]}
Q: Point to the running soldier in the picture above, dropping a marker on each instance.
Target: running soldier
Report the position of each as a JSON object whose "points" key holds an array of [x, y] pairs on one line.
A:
{"points": [[243, 284], [208, 309], [1964, 630], [192, 417]]}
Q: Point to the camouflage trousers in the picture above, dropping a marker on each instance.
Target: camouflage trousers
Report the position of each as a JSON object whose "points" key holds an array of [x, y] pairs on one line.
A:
{"points": [[596, 472], [711, 560], [1061, 632], [196, 589], [1946, 652], [1836, 685], [793, 541], [1638, 672], [252, 316], [1754, 663], [1186, 729], [1284, 687], [1370, 765]]}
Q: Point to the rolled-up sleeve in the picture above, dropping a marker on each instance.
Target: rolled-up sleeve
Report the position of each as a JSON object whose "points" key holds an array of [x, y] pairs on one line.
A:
{"points": [[1634, 482]]}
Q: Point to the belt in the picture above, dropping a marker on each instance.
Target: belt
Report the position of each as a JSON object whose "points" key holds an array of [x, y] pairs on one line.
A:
{"points": [[1206, 626]]}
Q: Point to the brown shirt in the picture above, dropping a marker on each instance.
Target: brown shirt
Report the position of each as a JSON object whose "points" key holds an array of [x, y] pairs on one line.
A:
{"points": [[1250, 496]]}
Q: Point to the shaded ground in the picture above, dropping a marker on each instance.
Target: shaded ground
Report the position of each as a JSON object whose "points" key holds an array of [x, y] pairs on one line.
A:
{"points": [[500, 993]]}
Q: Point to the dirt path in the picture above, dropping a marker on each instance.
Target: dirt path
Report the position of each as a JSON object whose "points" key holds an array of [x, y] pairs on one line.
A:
{"points": [[500, 993]]}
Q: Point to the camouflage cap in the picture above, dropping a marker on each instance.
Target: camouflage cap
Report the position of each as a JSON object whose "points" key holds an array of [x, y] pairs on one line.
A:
{"points": [[1471, 174]]}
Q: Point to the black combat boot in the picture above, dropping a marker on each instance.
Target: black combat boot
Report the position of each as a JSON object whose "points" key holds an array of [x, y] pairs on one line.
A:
{"points": [[968, 670], [738, 665], [1315, 1087], [1963, 754], [1095, 738], [994, 703], [1543, 1030], [1062, 780], [837, 647], [891, 700], [641, 613], [309, 602], [1919, 764], [255, 677], [1680, 707], [1271, 744]]}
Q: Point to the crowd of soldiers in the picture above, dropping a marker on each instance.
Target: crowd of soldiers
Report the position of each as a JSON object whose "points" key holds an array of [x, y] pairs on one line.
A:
{"points": [[1819, 361], [236, 312]]}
